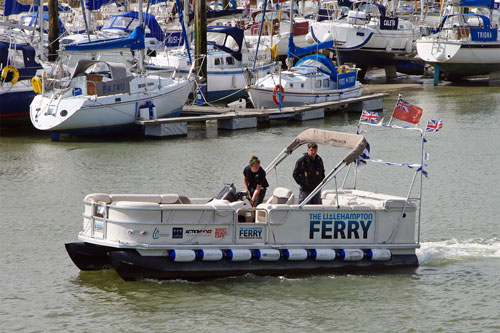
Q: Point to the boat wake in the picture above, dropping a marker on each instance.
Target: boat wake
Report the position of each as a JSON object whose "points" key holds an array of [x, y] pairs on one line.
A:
{"points": [[452, 250]]}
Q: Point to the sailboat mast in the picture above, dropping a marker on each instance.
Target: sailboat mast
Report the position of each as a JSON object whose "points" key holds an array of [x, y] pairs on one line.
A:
{"points": [[289, 61], [141, 51]]}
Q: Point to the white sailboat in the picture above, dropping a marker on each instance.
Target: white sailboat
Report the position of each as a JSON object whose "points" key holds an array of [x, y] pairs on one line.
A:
{"points": [[367, 35], [464, 44], [103, 95]]}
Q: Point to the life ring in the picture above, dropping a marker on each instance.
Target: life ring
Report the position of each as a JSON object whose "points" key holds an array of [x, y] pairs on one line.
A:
{"points": [[275, 94], [15, 74], [344, 69], [36, 82]]}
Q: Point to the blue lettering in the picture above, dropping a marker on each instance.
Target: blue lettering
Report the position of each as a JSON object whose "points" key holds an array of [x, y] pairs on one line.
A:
{"points": [[352, 229], [312, 229], [339, 229], [365, 228], [325, 229]]}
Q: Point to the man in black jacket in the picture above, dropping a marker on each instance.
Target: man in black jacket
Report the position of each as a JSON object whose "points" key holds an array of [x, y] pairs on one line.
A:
{"points": [[308, 173]]}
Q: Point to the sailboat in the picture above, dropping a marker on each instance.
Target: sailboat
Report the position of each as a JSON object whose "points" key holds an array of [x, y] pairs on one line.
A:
{"points": [[464, 44], [367, 36], [105, 96]]}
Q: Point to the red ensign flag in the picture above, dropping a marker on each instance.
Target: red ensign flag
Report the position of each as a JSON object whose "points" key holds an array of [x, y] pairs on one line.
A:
{"points": [[407, 112]]}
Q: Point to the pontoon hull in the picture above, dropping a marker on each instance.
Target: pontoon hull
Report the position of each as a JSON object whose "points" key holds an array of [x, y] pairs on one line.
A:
{"points": [[130, 265], [88, 257]]}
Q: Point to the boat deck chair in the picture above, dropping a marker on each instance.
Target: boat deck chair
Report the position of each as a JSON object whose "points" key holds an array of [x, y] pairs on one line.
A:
{"points": [[281, 196]]}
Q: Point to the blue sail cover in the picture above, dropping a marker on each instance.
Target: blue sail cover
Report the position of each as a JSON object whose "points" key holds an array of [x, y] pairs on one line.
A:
{"points": [[150, 21], [12, 7], [134, 42], [478, 3], [294, 51]]}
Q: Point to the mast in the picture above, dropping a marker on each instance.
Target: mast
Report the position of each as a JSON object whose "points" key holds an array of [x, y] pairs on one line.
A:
{"points": [[141, 51]]}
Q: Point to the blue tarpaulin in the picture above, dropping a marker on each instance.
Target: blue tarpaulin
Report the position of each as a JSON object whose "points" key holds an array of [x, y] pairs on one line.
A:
{"points": [[478, 3], [12, 7]]}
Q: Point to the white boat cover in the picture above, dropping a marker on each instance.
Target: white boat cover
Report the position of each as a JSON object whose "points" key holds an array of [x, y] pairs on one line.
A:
{"points": [[356, 142]]}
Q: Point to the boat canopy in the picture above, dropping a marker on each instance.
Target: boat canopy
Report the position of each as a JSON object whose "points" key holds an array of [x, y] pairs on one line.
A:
{"points": [[129, 20], [321, 62], [24, 59], [118, 70], [134, 42], [356, 142], [32, 21], [235, 33]]}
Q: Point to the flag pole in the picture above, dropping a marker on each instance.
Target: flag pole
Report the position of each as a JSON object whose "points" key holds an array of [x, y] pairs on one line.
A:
{"points": [[400, 96]]}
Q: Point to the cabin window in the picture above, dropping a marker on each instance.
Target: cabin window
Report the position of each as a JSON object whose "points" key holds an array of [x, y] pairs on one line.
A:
{"points": [[218, 61], [326, 83], [302, 85], [291, 85], [230, 60], [317, 84]]}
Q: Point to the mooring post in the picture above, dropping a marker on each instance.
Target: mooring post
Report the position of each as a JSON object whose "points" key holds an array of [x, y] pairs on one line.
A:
{"points": [[437, 72], [53, 28], [200, 50]]}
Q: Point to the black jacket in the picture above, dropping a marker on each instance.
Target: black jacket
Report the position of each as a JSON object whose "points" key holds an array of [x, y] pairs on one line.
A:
{"points": [[308, 173]]}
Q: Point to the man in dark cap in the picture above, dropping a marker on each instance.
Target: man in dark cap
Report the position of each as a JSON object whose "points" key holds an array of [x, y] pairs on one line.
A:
{"points": [[308, 173]]}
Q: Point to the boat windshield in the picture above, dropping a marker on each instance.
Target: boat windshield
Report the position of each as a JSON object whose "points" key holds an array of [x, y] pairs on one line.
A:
{"points": [[120, 22]]}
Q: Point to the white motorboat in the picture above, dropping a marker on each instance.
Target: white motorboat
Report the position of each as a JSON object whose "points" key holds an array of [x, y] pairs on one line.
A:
{"points": [[463, 44], [229, 61], [367, 36], [313, 79], [167, 236], [102, 96]]}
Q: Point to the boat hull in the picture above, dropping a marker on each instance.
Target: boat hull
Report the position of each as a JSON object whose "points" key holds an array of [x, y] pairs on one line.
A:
{"points": [[131, 265], [15, 102], [263, 98], [88, 113], [457, 58]]}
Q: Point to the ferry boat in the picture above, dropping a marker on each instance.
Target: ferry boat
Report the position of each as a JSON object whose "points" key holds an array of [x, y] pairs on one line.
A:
{"points": [[169, 236]]}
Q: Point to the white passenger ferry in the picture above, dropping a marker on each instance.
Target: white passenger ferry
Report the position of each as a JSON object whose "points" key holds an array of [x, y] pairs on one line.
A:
{"points": [[167, 236]]}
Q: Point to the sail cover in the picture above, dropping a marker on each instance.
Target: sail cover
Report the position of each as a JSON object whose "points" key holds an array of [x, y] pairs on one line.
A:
{"points": [[356, 142]]}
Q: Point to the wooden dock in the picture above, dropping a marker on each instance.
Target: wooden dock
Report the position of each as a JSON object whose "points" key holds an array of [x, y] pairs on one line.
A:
{"points": [[239, 118]]}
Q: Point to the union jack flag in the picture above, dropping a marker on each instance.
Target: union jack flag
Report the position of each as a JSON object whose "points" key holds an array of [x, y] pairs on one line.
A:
{"points": [[369, 117], [434, 125]]}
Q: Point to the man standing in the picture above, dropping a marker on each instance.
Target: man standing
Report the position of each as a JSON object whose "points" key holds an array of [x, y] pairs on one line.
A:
{"points": [[308, 173]]}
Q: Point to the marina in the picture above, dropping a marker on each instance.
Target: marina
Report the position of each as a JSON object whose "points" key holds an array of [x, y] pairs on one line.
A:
{"points": [[125, 232]]}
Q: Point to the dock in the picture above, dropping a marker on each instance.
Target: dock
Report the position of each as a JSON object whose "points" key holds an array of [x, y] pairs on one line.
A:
{"points": [[231, 118]]}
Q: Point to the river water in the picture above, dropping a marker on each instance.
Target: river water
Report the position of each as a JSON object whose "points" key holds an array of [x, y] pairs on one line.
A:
{"points": [[455, 289]]}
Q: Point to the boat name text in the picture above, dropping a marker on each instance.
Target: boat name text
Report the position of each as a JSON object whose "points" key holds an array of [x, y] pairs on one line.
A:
{"points": [[340, 225]]}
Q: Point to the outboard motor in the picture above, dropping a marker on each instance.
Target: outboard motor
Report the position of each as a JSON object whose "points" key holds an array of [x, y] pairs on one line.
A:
{"points": [[228, 193]]}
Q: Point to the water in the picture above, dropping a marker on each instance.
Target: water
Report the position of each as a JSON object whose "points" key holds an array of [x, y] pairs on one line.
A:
{"points": [[456, 288]]}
